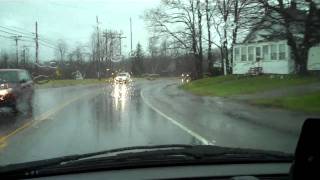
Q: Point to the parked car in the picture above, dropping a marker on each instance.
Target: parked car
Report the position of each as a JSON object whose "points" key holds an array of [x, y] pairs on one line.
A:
{"points": [[122, 78], [16, 88]]}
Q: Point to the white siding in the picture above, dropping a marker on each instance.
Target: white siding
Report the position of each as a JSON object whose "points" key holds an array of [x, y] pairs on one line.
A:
{"points": [[314, 58], [269, 67], [284, 66]]}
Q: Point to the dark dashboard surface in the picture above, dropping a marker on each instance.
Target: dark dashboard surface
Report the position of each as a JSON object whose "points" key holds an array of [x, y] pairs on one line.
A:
{"points": [[231, 171]]}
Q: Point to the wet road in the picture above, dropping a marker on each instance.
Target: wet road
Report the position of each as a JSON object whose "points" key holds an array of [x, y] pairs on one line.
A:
{"points": [[84, 119], [105, 117]]}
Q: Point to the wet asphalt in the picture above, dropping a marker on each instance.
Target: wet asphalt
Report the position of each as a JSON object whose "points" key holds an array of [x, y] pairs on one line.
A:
{"points": [[83, 119]]}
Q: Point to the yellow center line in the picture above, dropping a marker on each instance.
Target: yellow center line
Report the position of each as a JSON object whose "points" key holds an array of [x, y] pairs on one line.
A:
{"points": [[43, 117]]}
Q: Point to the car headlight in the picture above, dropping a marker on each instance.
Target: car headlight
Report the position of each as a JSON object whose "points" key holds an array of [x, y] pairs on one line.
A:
{"points": [[4, 92]]}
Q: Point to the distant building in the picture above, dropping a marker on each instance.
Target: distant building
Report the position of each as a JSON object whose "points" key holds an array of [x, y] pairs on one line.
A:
{"points": [[266, 46]]}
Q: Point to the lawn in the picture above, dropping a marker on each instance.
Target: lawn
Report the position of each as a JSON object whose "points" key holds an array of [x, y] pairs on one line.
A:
{"points": [[235, 85], [308, 102], [69, 82]]}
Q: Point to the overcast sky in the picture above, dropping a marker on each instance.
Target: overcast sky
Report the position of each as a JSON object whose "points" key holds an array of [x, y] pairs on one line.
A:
{"points": [[73, 20]]}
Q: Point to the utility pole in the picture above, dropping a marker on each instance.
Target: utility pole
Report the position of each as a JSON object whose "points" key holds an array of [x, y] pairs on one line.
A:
{"points": [[37, 44], [16, 39], [130, 36], [120, 41]]}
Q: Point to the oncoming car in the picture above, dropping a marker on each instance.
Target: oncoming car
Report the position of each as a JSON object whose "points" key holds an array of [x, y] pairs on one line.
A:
{"points": [[122, 78], [185, 78], [16, 88]]}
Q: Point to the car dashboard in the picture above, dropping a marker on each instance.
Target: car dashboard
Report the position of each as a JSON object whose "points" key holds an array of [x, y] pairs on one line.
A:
{"points": [[252, 171]]}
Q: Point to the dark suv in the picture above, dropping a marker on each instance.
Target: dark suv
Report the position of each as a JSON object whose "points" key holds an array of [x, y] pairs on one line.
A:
{"points": [[16, 89]]}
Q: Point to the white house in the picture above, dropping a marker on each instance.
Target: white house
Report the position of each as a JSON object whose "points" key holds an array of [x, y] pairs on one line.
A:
{"points": [[266, 47]]}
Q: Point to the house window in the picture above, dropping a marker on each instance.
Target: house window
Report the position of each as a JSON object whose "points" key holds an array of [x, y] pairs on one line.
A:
{"points": [[258, 53], [282, 51], [265, 52], [236, 54], [251, 53], [274, 52], [243, 53]]}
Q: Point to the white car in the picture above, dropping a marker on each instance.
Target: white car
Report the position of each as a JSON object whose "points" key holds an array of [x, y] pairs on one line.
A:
{"points": [[122, 78]]}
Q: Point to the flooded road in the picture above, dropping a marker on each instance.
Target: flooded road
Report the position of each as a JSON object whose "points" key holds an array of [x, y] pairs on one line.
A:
{"points": [[83, 119]]}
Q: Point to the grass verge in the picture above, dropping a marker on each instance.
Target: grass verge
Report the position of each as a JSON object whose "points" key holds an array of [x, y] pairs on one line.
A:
{"points": [[307, 103], [235, 85]]}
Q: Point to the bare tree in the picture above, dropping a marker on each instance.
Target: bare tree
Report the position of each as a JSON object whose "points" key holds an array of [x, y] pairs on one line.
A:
{"points": [[93, 46], [209, 16], [223, 10], [180, 20], [61, 49], [301, 23], [199, 62], [78, 54], [164, 48], [232, 20], [153, 48]]}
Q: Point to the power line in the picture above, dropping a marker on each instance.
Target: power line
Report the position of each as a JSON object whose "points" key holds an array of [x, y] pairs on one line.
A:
{"points": [[46, 39], [46, 45], [27, 40], [8, 32], [5, 37], [48, 42], [28, 34], [15, 34], [20, 29]]}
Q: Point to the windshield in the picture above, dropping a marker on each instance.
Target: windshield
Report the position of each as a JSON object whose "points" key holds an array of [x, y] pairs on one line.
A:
{"points": [[8, 76], [241, 74], [122, 75]]}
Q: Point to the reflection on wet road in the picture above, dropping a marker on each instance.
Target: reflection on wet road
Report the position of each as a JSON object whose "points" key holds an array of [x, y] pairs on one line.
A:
{"points": [[115, 117], [121, 93]]}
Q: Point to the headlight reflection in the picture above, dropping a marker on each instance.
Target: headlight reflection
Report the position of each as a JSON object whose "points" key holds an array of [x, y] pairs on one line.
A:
{"points": [[120, 94]]}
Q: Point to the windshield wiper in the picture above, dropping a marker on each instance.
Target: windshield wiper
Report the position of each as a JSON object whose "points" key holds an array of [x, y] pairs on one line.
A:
{"points": [[142, 156], [29, 166]]}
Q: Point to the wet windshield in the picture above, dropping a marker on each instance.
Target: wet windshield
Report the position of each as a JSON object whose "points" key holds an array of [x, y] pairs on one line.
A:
{"points": [[243, 74], [8, 76], [122, 74]]}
